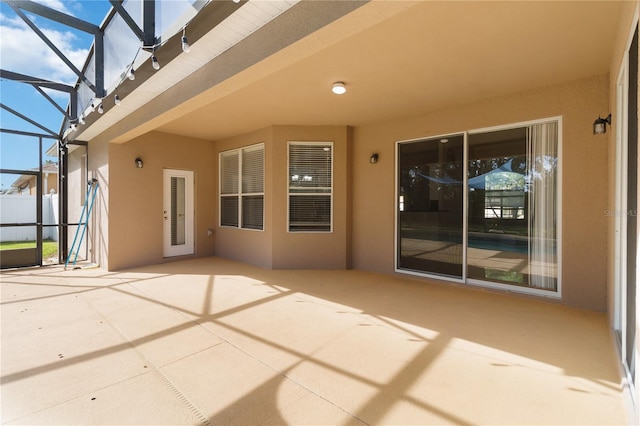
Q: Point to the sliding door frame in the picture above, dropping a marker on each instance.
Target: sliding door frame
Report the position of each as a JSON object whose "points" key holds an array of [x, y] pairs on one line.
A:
{"points": [[557, 294], [620, 267], [396, 244]]}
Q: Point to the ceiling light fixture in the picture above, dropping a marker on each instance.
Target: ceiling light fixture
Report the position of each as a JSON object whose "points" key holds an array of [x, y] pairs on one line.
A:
{"points": [[338, 88]]}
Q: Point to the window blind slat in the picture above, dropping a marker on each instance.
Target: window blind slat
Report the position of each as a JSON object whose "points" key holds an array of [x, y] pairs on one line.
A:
{"points": [[229, 171], [253, 170], [229, 211], [310, 186], [242, 188]]}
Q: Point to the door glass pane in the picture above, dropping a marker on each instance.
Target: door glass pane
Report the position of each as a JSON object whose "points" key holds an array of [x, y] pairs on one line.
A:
{"points": [[498, 231], [512, 211], [178, 210], [430, 206]]}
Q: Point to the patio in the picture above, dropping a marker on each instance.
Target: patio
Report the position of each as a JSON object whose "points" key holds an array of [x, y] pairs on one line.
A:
{"points": [[210, 341]]}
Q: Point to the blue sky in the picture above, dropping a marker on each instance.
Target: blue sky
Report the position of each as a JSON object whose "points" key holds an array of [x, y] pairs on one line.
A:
{"points": [[22, 51]]}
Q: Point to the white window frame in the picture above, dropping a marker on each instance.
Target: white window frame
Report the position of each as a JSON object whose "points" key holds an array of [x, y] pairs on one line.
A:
{"points": [[329, 194], [239, 194]]}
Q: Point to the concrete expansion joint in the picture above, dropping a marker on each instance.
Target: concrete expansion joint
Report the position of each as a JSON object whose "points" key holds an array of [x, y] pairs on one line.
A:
{"points": [[203, 421], [285, 375]]}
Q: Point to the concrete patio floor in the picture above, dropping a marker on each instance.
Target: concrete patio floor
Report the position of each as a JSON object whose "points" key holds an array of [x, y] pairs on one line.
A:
{"points": [[210, 341]]}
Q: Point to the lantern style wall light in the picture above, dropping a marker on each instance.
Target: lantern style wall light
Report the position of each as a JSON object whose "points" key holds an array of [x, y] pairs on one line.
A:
{"points": [[600, 125]]}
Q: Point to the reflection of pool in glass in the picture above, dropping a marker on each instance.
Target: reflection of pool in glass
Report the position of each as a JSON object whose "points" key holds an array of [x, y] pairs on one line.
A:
{"points": [[476, 240], [504, 243]]}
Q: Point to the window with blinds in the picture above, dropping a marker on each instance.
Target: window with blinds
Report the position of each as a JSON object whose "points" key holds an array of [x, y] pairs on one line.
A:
{"points": [[310, 186], [242, 188]]}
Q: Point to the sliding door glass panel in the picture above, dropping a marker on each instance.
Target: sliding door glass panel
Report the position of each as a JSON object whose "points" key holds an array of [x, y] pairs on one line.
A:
{"points": [[430, 206], [512, 209], [497, 241]]}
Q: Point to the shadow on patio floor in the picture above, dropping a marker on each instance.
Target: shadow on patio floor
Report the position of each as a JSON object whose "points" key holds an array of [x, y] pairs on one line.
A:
{"points": [[210, 341]]}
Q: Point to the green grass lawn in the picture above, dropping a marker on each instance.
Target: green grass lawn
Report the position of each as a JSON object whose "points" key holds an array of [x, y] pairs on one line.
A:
{"points": [[49, 248]]}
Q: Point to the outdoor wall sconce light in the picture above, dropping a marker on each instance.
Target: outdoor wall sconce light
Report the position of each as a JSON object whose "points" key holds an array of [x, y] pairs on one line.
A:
{"points": [[374, 158], [139, 163], [339, 88], [600, 125]]}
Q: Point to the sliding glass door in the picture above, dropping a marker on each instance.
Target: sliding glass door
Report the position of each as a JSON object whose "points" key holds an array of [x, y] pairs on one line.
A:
{"points": [[430, 206], [512, 190], [488, 218], [498, 232]]}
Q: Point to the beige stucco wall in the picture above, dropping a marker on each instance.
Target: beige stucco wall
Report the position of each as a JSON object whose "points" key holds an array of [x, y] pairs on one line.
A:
{"points": [[244, 245], [584, 178], [76, 192], [302, 250], [135, 205], [275, 247], [99, 229]]}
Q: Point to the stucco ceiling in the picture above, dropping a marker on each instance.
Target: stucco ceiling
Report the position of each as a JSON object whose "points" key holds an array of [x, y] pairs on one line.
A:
{"points": [[397, 59]]}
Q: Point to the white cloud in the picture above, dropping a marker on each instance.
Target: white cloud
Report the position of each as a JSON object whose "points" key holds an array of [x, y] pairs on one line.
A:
{"points": [[22, 50], [55, 4]]}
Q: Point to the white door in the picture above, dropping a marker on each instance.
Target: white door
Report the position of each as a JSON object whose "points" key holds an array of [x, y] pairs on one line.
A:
{"points": [[178, 213]]}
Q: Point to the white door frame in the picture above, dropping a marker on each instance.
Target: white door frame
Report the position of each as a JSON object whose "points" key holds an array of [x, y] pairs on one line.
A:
{"points": [[620, 214], [186, 247]]}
